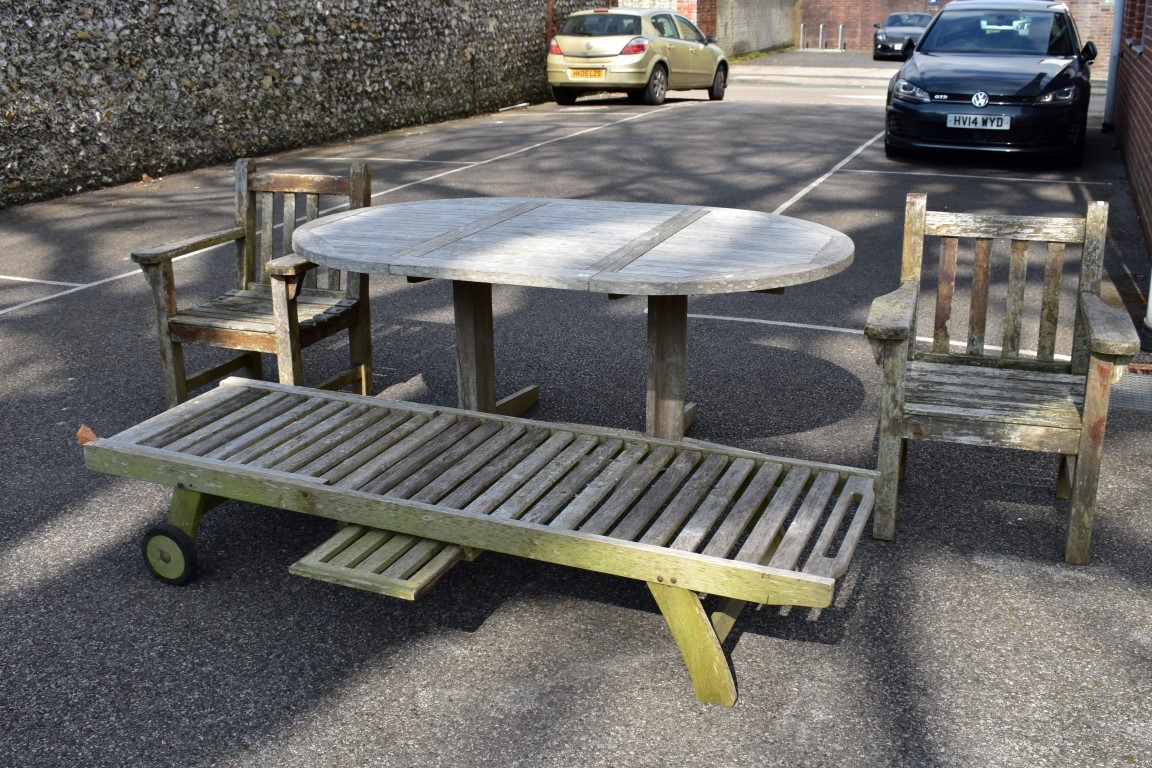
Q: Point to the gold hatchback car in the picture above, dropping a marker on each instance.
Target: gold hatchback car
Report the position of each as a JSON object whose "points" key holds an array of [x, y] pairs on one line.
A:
{"points": [[641, 52]]}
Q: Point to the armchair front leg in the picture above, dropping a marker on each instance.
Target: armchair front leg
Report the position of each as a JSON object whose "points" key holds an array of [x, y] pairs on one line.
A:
{"points": [[287, 277]]}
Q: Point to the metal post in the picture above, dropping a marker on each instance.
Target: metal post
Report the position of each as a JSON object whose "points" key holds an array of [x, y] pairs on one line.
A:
{"points": [[803, 38], [840, 42], [821, 38]]}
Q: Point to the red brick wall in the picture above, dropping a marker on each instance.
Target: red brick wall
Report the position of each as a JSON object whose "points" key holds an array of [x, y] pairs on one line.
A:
{"points": [[1093, 20], [1132, 116]]}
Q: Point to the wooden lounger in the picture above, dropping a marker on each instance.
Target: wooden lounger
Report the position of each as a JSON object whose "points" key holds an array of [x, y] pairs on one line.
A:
{"points": [[421, 488]]}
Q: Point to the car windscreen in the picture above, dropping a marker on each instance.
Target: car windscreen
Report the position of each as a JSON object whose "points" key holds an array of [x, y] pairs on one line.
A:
{"points": [[908, 20], [1043, 33], [601, 24]]}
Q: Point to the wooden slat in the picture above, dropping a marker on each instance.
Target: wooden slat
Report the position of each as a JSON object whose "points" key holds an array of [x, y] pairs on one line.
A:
{"points": [[428, 450], [744, 511], [649, 505], [415, 479], [603, 484], [978, 309], [515, 477], [317, 438], [544, 510], [1014, 308], [187, 417], [278, 400], [763, 538], [465, 468], [1050, 304], [628, 490], [820, 562], [274, 433], [373, 457], [468, 491], [704, 518], [945, 287], [622, 257], [687, 500], [998, 227], [543, 481], [799, 532], [397, 565], [333, 451]]}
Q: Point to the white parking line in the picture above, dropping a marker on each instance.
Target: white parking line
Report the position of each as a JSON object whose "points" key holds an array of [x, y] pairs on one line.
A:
{"points": [[800, 195], [1029, 180], [39, 282]]}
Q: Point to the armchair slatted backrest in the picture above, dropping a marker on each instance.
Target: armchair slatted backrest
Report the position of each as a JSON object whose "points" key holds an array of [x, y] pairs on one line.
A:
{"points": [[269, 207], [1022, 235]]}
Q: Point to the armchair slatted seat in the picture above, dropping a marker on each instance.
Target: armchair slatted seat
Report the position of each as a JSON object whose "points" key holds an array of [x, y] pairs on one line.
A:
{"points": [[309, 306], [974, 393]]}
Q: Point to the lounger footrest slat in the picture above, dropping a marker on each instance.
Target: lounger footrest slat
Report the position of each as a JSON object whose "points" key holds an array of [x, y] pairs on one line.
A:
{"points": [[383, 562]]}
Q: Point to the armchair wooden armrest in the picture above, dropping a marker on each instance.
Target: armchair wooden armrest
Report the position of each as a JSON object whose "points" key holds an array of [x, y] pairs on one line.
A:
{"points": [[893, 314], [153, 256], [1110, 330], [288, 266]]}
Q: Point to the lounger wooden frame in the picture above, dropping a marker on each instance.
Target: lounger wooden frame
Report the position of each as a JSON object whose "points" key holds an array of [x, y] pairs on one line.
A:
{"points": [[428, 487]]}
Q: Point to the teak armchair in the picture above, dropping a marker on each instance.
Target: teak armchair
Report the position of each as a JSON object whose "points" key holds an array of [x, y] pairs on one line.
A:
{"points": [[1036, 400], [245, 318]]}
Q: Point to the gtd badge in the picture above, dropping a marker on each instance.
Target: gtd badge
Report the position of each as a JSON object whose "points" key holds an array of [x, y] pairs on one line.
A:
{"points": [[979, 99]]}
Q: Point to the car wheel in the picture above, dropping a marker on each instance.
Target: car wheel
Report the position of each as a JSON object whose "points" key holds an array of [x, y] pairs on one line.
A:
{"points": [[657, 89], [719, 84], [564, 96]]}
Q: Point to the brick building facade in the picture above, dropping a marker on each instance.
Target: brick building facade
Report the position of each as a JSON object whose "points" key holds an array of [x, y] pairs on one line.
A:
{"points": [[1132, 109]]}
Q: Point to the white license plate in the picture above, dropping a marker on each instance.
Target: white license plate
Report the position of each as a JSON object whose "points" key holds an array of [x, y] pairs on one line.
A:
{"points": [[980, 122], [897, 46]]}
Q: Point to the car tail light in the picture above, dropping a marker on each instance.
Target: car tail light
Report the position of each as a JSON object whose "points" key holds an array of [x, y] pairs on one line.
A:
{"points": [[554, 48], [635, 45]]}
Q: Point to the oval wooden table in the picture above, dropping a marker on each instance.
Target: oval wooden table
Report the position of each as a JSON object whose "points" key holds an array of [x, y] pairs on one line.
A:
{"points": [[664, 252]]}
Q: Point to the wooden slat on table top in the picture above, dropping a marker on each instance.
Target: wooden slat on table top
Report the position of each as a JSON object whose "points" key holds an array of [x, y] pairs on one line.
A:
{"points": [[589, 245]]}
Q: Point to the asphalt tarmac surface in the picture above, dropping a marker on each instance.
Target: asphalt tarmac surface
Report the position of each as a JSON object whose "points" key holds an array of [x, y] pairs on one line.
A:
{"points": [[965, 642]]}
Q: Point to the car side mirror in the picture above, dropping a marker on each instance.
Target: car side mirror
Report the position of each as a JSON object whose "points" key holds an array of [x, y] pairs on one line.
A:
{"points": [[1089, 52], [710, 39], [909, 46], [877, 26]]}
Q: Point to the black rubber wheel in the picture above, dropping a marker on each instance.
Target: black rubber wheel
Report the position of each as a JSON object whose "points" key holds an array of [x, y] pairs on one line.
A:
{"points": [[657, 89], [719, 84], [564, 96], [169, 554]]}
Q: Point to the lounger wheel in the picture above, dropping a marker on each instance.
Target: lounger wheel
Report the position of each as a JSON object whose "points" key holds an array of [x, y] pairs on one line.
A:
{"points": [[169, 553]]}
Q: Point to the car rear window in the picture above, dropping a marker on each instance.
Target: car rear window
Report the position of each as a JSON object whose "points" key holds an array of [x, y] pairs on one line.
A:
{"points": [[601, 25], [1041, 33], [908, 20]]}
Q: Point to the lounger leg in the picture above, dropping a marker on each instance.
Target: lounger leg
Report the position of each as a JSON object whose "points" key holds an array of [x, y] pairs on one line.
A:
{"points": [[699, 646], [187, 507]]}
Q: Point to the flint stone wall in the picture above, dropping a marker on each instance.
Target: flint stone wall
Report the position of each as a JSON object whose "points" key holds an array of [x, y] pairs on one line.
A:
{"points": [[101, 93]]}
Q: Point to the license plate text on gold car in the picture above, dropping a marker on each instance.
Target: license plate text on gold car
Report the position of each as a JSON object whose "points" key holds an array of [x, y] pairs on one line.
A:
{"points": [[587, 73]]}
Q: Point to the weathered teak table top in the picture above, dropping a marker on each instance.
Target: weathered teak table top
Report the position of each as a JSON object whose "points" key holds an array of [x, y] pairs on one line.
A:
{"points": [[665, 252]]}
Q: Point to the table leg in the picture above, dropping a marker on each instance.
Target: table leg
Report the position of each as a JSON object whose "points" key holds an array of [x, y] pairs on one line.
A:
{"points": [[476, 355], [667, 416]]}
